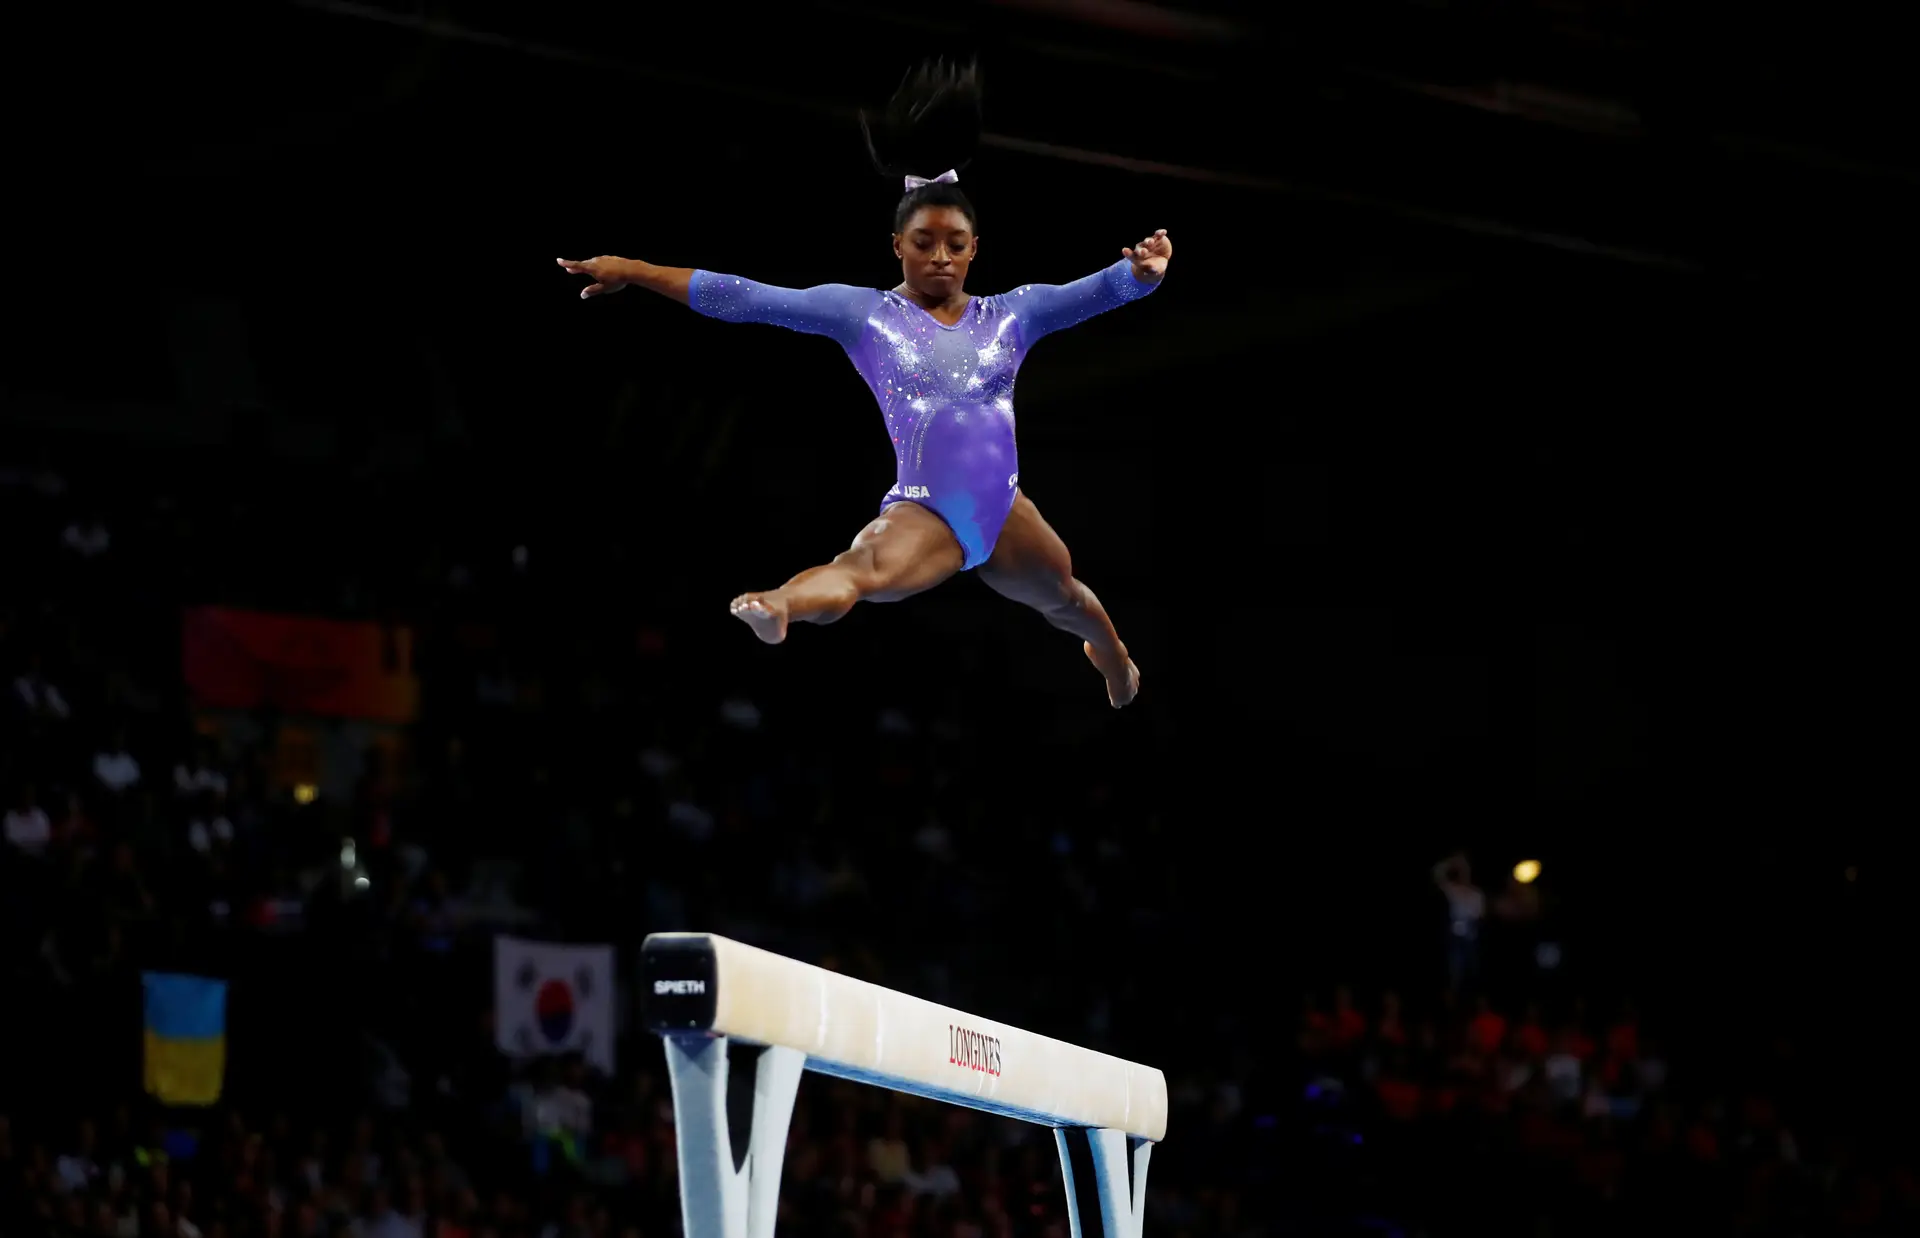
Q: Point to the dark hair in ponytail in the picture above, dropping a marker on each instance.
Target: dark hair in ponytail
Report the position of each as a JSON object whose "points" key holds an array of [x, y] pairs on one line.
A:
{"points": [[931, 125]]}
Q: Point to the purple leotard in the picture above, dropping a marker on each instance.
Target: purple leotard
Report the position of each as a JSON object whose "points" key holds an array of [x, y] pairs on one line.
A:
{"points": [[947, 392]]}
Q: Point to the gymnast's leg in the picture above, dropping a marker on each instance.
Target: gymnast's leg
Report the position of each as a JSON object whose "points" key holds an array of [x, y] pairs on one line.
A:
{"points": [[908, 550], [1030, 564]]}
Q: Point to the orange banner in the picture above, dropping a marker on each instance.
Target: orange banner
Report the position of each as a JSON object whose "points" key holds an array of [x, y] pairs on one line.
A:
{"points": [[242, 659]]}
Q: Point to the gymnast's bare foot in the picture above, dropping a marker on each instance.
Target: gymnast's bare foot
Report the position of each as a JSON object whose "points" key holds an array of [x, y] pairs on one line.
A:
{"points": [[765, 613], [1123, 677]]}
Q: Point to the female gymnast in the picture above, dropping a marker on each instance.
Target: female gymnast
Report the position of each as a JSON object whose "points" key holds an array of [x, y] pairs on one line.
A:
{"points": [[942, 364]]}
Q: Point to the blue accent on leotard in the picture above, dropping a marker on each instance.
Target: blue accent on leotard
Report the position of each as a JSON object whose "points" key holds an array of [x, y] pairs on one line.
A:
{"points": [[946, 391]]}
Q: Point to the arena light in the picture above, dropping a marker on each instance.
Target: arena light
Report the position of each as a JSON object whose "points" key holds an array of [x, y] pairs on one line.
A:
{"points": [[740, 1024], [1526, 871], [305, 793]]}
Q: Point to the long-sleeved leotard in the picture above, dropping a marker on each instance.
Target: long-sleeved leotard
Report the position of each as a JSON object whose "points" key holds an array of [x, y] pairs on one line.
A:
{"points": [[946, 391]]}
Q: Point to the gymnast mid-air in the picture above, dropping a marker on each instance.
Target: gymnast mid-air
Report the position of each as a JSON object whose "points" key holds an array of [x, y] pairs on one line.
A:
{"points": [[941, 363]]}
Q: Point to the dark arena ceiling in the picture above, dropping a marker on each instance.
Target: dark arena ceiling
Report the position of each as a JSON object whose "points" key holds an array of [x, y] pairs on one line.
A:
{"points": [[1672, 133]]}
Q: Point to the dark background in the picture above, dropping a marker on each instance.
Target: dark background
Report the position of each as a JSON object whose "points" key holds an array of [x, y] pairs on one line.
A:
{"points": [[1508, 461]]}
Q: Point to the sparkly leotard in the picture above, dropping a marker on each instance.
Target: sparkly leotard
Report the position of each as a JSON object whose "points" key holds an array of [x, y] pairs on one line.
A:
{"points": [[946, 391]]}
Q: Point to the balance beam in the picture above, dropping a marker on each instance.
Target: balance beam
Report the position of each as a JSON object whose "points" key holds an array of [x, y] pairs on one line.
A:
{"points": [[740, 1025]]}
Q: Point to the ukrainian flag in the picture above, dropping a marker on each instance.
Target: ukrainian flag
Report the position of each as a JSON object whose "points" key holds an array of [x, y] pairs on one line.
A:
{"points": [[186, 1038]]}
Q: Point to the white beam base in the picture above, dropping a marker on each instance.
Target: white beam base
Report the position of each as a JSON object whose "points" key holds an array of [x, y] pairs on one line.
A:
{"points": [[740, 1024], [732, 1103], [1105, 1172]]}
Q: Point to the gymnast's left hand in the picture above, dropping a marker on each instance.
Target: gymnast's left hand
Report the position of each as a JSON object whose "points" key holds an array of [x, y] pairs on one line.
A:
{"points": [[1150, 257]]}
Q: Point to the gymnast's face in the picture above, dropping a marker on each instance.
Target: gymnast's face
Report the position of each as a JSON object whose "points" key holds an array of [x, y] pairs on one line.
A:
{"points": [[935, 250]]}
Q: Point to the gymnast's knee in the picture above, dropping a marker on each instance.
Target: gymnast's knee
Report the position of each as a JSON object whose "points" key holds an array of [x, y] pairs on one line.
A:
{"points": [[1062, 595], [858, 572]]}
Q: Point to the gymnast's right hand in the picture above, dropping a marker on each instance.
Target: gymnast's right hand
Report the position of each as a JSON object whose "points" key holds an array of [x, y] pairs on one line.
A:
{"points": [[609, 274]]}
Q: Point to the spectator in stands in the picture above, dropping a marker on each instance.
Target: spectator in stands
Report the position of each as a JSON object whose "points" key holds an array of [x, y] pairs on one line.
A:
{"points": [[1347, 1027], [76, 1171], [1565, 1067], [1652, 1065], [384, 1220], [39, 695], [28, 828], [114, 767], [1396, 1089], [1574, 1031], [1391, 1030], [1466, 907], [1530, 1034], [557, 1115], [208, 827], [1513, 1069], [1312, 1037], [201, 774], [887, 1153], [685, 811], [434, 917], [122, 890], [1488, 1031], [939, 1179], [40, 479], [87, 536], [1623, 1036], [75, 830]]}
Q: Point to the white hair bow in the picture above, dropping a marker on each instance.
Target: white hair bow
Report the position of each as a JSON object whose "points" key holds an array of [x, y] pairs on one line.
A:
{"points": [[945, 178]]}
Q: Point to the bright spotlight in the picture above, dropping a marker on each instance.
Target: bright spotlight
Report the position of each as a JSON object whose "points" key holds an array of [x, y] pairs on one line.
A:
{"points": [[305, 793], [1526, 871]]}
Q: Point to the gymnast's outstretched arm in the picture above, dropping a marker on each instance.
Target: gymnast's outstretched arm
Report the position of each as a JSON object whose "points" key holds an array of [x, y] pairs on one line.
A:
{"points": [[611, 274], [1045, 308], [838, 311]]}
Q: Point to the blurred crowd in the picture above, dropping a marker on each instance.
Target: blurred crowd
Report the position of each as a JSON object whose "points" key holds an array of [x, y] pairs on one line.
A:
{"points": [[1471, 1111], [564, 791], [554, 791]]}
